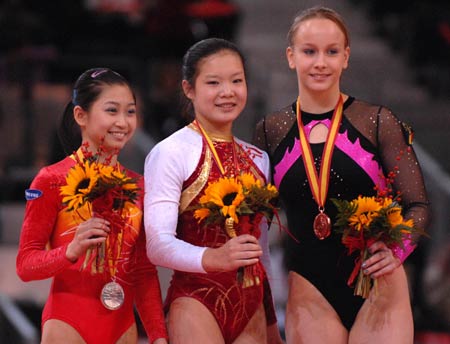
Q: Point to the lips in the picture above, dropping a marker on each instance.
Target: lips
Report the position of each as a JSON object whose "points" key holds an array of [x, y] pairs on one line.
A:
{"points": [[118, 134], [226, 106], [320, 76]]}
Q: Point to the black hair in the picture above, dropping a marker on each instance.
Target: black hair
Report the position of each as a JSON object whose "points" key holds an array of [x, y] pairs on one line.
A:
{"points": [[86, 91], [198, 52]]}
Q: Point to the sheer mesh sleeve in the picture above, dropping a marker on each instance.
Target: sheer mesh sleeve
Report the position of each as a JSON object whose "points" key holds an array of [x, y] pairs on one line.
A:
{"points": [[397, 154], [271, 130], [393, 139]]}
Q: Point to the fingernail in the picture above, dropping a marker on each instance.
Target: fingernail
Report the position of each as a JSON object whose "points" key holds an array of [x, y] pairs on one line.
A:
{"points": [[366, 271], [364, 264]]}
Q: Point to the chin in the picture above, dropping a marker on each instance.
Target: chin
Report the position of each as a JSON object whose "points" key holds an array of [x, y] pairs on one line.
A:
{"points": [[115, 146]]}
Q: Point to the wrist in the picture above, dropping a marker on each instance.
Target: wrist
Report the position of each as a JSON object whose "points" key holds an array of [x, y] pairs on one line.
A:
{"points": [[70, 256], [208, 259], [402, 252]]}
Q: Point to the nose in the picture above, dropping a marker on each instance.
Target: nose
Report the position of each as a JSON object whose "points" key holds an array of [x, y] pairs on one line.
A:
{"points": [[320, 61], [227, 89], [120, 120]]}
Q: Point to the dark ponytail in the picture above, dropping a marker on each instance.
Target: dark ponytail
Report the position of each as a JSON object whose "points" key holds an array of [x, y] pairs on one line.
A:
{"points": [[86, 91], [69, 133]]}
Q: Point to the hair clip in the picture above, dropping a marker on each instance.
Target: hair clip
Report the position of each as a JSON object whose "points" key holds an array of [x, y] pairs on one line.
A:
{"points": [[98, 72], [74, 96]]}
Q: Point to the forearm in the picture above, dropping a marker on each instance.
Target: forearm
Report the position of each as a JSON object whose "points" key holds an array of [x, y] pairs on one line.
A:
{"points": [[167, 251], [149, 306], [37, 264]]}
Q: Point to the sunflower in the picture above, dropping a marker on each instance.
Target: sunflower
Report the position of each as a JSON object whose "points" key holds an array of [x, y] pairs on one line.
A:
{"points": [[386, 202], [129, 184], [249, 181], [367, 208], [105, 170], [394, 216], [201, 214], [81, 180], [272, 188], [226, 193]]}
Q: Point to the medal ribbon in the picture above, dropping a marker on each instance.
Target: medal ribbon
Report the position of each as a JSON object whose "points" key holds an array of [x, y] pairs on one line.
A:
{"points": [[213, 150], [320, 189]]}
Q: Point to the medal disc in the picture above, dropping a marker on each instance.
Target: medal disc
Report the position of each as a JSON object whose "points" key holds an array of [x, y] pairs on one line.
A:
{"points": [[112, 296], [322, 226]]}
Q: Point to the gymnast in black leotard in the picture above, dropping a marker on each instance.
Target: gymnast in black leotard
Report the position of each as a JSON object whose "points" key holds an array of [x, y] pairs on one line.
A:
{"points": [[369, 141]]}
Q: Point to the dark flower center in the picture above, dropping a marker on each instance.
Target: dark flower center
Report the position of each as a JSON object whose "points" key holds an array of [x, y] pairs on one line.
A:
{"points": [[83, 184], [229, 198]]}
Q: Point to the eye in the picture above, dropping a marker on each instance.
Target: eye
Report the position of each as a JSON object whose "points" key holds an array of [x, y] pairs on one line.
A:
{"points": [[131, 111], [212, 82], [333, 51], [111, 110], [308, 51], [238, 81]]}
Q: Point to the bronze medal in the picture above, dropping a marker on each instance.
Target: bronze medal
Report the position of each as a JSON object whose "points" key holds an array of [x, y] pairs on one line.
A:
{"points": [[112, 296], [322, 226]]}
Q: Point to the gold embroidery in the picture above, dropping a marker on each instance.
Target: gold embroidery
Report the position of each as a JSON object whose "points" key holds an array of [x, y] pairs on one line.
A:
{"points": [[193, 190], [249, 166]]}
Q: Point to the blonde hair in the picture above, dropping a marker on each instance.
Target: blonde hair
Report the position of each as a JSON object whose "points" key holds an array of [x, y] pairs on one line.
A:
{"points": [[318, 12]]}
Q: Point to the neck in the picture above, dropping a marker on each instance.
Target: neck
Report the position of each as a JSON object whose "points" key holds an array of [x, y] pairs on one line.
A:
{"points": [[215, 132], [319, 102], [106, 156], [112, 162]]}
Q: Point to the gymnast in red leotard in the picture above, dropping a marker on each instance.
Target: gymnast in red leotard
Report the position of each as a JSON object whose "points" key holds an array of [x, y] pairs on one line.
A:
{"points": [[206, 302], [55, 242]]}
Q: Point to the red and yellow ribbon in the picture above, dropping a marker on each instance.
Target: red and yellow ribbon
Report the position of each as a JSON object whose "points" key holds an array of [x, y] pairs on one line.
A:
{"points": [[214, 152], [319, 184]]}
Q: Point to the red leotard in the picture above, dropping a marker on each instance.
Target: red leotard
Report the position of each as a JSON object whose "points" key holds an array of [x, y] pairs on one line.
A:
{"points": [[75, 294], [232, 305]]}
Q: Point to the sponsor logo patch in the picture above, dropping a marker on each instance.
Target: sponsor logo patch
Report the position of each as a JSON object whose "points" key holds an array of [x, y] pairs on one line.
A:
{"points": [[31, 194]]}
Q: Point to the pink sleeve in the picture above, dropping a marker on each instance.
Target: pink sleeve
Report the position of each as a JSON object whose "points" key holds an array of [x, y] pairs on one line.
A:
{"points": [[403, 252]]}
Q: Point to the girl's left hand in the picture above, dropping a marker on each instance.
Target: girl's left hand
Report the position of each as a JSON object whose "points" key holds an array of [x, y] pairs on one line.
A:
{"points": [[381, 262]]}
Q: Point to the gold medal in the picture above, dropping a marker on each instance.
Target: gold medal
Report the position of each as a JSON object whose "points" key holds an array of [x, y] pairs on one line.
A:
{"points": [[112, 296]]}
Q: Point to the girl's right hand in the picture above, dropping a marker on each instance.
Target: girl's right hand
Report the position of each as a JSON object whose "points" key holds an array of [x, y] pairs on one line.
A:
{"points": [[239, 251], [91, 232]]}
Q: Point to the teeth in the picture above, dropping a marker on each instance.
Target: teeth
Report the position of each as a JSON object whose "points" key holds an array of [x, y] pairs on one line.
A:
{"points": [[118, 134]]}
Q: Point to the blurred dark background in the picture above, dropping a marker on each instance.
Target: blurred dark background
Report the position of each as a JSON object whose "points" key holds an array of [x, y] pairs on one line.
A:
{"points": [[400, 58]]}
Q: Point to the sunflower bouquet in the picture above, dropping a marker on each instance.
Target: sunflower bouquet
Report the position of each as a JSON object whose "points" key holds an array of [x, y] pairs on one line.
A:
{"points": [[365, 220], [235, 197], [98, 189], [238, 204]]}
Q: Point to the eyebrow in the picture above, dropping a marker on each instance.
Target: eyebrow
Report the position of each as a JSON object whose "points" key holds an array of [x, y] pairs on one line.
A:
{"points": [[217, 76], [314, 44], [117, 103]]}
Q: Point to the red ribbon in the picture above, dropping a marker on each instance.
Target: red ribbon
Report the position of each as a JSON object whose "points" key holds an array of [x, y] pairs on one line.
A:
{"points": [[354, 243]]}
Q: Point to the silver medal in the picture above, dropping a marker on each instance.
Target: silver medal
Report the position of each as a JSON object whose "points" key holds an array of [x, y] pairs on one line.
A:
{"points": [[112, 296]]}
